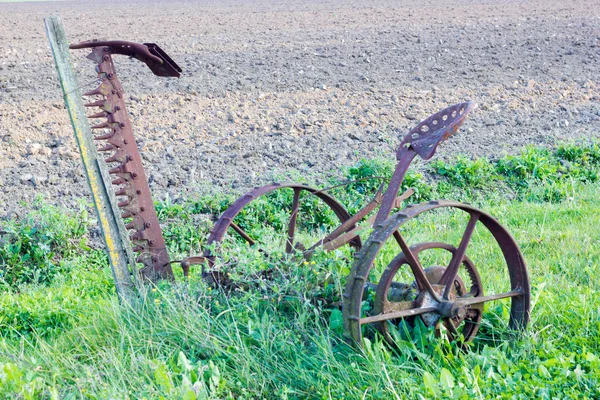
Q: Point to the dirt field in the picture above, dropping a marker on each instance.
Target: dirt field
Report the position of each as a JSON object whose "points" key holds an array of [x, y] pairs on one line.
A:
{"points": [[279, 87]]}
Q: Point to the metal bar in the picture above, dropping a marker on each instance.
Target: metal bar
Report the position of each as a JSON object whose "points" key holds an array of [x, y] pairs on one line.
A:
{"points": [[416, 267], [242, 233], [102, 194], [291, 231], [341, 235], [346, 237], [459, 255], [398, 314], [131, 178], [471, 301], [387, 203], [343, 228]]}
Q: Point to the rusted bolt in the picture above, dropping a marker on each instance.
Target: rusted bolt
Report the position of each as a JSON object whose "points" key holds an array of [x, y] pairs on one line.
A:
{"points": [[125, 141], [138, 191], [110, 76], [450, 309], [134, 175], [117, 108], [148, 224], [122, 125], [107, 49], [106, 57], [113, 91], [142, 209], [151, 242]]}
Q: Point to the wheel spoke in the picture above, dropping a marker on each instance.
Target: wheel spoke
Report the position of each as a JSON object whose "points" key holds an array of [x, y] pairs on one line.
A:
{"points": [[246, 237], [449, 325], [457, 258], [416, 268], [291, 231], [465, 296], [470, 301], [397, 314], [410, 312], [242, 233]]}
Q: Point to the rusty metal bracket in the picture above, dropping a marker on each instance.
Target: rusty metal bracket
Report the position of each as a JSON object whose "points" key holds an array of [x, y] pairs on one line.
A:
{"points": [[149, 53]]}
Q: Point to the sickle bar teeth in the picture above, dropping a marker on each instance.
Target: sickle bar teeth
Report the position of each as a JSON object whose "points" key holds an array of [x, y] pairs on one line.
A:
{"points": [[97, 103], [104, 137], [103, 125], [127, 214], [101, 114], [116, 170], [108, 147], [130, 181], [121, 192], [118, 156]]}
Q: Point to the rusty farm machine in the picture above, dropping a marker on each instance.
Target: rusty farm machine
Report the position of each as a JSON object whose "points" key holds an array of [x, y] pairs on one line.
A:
{"points": [[434, 281]]}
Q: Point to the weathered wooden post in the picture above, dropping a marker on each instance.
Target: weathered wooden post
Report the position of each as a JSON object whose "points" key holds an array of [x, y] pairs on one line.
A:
{"points": [[119, 251]]}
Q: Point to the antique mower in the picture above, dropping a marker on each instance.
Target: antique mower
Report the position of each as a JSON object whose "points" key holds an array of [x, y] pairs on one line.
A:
{"points": [[392, 285]]}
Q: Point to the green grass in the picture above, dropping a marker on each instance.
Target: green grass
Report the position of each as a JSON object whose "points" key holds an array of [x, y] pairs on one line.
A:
{"points": [[68, 337]]}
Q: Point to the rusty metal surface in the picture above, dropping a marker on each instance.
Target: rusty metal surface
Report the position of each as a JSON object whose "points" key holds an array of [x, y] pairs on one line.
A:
{"points": [[438, 295], [224, 222], [423, 141], [446, 307], [115, 132], [387, 203], [149, 53], [429, 133]]}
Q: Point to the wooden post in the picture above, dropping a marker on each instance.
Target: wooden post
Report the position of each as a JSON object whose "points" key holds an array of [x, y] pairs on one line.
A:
{"points": [[115, 235]]}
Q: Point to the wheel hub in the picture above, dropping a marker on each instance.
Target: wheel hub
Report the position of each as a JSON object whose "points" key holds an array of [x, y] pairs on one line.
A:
{"points": [[446, 308]]}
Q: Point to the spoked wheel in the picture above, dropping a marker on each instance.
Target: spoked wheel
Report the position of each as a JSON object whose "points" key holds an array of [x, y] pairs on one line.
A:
{"points": [[436, 282], [280, 220]]}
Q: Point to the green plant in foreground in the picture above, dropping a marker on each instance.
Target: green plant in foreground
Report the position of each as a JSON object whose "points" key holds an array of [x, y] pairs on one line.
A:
{"points": [[31, 249]]}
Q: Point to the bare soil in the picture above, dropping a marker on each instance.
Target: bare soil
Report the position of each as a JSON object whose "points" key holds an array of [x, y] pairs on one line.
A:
{"points": [[277, 88]]}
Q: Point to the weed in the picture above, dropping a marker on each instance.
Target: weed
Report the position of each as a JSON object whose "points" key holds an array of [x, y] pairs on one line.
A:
{"points": [[466, 173], [31, 249]]}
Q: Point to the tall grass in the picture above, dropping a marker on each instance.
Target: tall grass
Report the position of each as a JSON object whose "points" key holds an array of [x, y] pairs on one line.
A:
{"points": [[68, 337]]}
